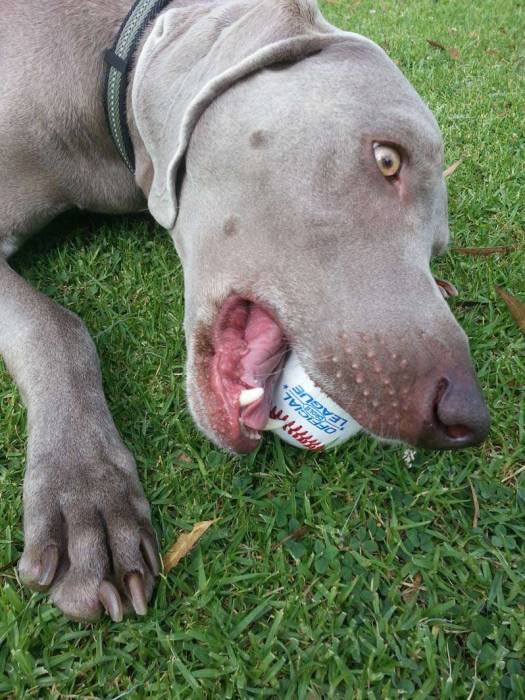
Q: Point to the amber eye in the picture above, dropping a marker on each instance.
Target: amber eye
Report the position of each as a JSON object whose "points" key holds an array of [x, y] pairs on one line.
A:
{"points": [[388, 159]]}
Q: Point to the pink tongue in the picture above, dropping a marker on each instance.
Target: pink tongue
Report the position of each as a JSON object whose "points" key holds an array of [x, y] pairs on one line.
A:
{"points": [[261, 364]]}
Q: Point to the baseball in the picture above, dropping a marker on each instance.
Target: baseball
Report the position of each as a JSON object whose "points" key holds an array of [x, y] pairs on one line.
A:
{"points": [[303, 415]]}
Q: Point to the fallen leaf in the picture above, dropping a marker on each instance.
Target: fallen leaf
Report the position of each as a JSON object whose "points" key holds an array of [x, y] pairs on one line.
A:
{"points": [[435, 44], [446, 288], [412, 588], [452, 52], [516, 307], [452, 168], [185, 544], [491, 250]]}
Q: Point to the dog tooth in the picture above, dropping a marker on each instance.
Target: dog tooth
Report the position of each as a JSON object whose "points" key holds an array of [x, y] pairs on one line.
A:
{"points": [[273, 424], [249, 396], [248, 432]]}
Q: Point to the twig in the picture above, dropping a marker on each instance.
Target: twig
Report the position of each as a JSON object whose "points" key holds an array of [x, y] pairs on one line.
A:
{"points": [[452, 168], [488, 250], [476, 505], [512, 476], [295, 535]]}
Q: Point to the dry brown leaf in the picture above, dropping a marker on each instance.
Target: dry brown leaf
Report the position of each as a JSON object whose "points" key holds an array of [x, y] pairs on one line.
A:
{"points": [[491, 250], [452, 52], [452, 168], [412, 588], [435, 44], [516, 307], [447, 288], [184, 544]]}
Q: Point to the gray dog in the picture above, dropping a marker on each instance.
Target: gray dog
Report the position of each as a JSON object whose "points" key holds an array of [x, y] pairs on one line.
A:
{"points": [[300, 176]]}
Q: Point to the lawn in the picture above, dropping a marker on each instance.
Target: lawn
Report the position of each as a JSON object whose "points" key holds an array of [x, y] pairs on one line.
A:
{"points": [[402, 581]]}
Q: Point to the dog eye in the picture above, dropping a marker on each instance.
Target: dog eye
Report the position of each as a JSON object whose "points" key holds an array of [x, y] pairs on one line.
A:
{"points": [[388, 159]]}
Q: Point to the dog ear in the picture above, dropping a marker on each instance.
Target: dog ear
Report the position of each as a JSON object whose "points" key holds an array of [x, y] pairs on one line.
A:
{"points": [[188, 61]]}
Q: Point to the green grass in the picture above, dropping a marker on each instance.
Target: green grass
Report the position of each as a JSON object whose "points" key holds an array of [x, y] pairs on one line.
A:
{"points": [[391, 591]]}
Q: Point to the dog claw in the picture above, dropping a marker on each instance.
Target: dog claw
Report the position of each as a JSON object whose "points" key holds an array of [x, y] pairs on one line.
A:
{"points": [[249, 396], [110, 599], [48, 566], [137, 593], [150, 555]]}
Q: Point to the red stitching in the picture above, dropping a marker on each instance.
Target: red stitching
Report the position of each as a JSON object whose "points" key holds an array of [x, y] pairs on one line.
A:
{"points": [[277, 414], [303, 438]]}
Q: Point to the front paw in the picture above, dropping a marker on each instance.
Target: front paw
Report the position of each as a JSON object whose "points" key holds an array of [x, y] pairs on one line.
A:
{"points": [[89, 539]]}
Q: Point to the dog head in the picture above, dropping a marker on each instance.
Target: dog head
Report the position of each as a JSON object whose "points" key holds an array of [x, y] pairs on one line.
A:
{"points": [[301, 177]]}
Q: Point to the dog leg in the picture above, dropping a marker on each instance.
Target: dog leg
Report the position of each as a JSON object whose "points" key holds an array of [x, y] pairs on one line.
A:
{"points": [[88, 536]]}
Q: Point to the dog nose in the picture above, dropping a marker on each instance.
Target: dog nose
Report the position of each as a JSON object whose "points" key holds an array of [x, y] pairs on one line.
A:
{"points": [[460, 417]]}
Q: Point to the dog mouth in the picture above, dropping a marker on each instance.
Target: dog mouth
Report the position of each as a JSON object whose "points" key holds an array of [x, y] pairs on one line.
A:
{"points": [[242, 365], [239, 357]]}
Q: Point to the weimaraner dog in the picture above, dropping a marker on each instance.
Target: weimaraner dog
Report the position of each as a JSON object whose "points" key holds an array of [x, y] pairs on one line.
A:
{"points": [[300, 176]]}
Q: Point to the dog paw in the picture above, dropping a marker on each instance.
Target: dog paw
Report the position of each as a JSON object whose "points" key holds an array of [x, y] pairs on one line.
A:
{"points": [[89, 539]]}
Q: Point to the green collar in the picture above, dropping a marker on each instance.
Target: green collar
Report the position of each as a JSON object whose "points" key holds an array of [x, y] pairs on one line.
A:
{"points": [[118, 60]]}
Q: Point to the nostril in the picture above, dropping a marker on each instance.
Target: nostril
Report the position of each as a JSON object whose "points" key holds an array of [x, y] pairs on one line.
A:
{"points": [[457, 431], [457, 415], [459, 412]]}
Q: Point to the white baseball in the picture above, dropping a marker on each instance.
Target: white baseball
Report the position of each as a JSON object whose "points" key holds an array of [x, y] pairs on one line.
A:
{"points": [[305, 416]]}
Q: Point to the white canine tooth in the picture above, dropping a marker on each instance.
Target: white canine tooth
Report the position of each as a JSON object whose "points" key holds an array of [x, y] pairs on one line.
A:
{"points": [[273, 424], [249, 396]]}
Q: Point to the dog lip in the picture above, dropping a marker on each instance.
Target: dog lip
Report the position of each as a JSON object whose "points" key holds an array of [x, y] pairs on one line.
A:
{"points": [[240, 363]]}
